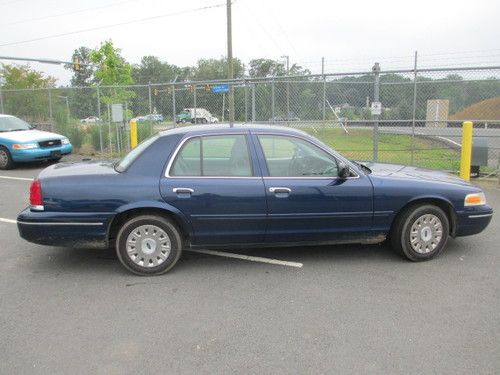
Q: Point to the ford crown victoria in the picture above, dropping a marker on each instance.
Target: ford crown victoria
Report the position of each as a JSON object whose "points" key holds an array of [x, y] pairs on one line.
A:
{"points": [[218, 186]]}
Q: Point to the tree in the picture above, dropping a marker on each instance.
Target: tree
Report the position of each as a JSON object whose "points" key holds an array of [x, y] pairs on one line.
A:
{"points": [[83, 101], [212, 69], [29, 104], [152, 69], [113, 70]]}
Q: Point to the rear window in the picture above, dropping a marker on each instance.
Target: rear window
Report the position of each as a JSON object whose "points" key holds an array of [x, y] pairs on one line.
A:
{"points": [[128, 159]]}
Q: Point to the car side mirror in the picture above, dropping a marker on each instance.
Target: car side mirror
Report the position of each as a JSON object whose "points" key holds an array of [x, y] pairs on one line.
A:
{"points": [[344, 170]]}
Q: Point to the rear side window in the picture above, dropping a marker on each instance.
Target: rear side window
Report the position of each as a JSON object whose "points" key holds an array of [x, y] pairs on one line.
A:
{"points": [[214, 156]]}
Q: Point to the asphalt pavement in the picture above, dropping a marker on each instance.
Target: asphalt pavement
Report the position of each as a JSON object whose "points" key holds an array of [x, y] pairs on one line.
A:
{"points": [[349, 309]]}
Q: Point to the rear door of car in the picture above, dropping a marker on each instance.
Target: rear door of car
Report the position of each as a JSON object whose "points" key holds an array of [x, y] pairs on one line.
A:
{"points": [[215, 181], [307, 201]]}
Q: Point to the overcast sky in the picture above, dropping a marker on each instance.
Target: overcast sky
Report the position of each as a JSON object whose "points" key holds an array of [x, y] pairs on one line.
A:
{"points": [[351, 34]]}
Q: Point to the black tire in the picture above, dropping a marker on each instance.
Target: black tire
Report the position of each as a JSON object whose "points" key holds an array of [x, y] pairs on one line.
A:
{"points": [[160, 222], [401, 236], [6, 161], [204, 121]]}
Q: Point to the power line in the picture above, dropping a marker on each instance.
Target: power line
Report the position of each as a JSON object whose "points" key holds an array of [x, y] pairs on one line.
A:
{"points": [[68, 13], [114, 25]]}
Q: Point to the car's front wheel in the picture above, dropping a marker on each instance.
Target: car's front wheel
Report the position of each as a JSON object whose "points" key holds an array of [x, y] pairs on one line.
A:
{"points": [[6, 161], [148, 245], [421, 232]]}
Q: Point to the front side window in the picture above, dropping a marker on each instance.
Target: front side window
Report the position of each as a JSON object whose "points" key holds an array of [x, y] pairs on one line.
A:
{"points": [[214, 156], [294, 157]]}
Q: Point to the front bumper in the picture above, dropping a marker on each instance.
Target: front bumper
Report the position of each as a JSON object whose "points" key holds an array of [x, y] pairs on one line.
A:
{"points": [[40, 153], [473, 220], [82, 230]]}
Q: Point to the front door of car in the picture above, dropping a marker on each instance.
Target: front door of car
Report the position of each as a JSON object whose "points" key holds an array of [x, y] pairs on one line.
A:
{"points": [[307, 200], [213, 181]]}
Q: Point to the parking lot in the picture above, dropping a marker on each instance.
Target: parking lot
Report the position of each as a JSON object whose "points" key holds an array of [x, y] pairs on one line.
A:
{"points": [[348, 309]]}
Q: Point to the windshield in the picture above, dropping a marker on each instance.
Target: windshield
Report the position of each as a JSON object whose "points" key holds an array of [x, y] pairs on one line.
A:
{"points": [[124, 163], [13, 123]]}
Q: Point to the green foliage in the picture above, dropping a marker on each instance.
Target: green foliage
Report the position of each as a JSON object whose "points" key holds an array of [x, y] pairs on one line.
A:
{"points": [[152, 69], [95, 137], [113, 71], [29, 104]]}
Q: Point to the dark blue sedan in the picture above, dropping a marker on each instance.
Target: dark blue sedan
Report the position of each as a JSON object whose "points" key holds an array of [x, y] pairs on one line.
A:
{"points": [[217, 186]]}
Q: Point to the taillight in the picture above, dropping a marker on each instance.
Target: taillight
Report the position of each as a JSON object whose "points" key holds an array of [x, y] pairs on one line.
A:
{"points": [[36, 198]]}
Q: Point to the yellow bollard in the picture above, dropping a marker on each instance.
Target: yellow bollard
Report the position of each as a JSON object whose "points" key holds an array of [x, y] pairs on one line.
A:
{"points": [[133, 133], [465, 159]]}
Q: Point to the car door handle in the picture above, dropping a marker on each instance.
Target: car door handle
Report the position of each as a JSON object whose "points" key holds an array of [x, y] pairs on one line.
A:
{"points": [[183, 190], [280, 190]]}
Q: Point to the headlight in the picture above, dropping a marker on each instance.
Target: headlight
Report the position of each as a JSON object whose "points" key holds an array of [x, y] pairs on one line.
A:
{"points": [[24, 146], [65, 141], [475, 199]]}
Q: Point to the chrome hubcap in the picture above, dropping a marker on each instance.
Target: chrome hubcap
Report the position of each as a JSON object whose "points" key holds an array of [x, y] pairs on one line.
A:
{"points": [[426, 233], [148, 246]]}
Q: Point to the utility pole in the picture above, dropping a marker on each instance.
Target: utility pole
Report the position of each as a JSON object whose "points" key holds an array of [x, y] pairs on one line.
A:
{"points": [[287, 85], [230, 75]]}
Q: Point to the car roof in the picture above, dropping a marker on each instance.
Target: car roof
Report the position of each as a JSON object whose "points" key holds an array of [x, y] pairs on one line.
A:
{"points": [[2, 115], [226, 128]]}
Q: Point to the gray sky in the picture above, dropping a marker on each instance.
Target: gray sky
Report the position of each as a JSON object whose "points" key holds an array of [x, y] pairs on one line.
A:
{"points": [[351, 34]]}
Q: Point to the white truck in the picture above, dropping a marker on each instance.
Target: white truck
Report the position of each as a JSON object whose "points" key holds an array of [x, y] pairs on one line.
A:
{"points": [[202, 116]]}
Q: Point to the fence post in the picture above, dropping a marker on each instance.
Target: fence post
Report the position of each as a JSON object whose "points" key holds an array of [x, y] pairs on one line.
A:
{"points": [[110, 132], [466, 155], [414, 110], [173, 105], [324, 87], [246, 101], [376, 98], [272, 100], [2, 110], [194, 104], [99, 122], [253, 102], [149, 99], [50, 111]]}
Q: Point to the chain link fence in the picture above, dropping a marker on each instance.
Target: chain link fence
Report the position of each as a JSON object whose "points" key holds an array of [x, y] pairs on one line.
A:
{"points": [[419, 122]]}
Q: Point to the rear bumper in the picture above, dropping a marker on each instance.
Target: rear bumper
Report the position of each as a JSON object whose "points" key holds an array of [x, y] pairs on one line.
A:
{"points": [[473, 221], [40, 153], [80, 230]]}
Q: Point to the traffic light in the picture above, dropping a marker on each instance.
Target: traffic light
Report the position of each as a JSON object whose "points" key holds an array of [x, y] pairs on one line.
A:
{"points": [[76, 63], [208, 88]]}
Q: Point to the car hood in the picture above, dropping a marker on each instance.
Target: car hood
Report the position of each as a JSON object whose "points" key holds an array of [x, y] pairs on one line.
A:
{"points": [[23, 136], [84, 168], [412, 173]]}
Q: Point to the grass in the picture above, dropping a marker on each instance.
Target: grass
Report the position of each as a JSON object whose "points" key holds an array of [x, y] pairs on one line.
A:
{"points": [[392, 148]]}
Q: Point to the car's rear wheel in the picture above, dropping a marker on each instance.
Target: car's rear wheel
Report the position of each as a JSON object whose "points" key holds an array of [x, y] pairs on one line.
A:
{"points": [[421, 232], [148, 245], [6, 161]]}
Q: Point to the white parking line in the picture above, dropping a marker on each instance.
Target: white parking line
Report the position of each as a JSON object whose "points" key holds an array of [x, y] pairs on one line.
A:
{"points": [[16, 178], [248, 257], [10, 221], [220, 253]]}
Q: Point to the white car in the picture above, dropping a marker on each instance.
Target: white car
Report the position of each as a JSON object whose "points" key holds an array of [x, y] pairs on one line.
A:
{"points": [[90, 120]]}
